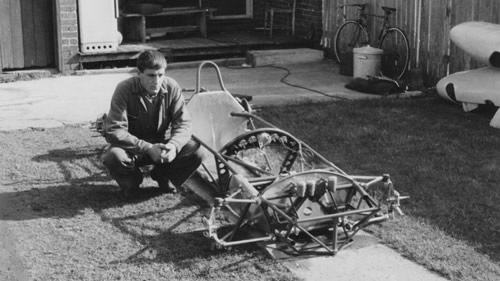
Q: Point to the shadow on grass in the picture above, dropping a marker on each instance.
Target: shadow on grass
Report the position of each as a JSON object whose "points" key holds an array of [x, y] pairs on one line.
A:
{"points": [[167, 224], [66, 201], [78, 165]]}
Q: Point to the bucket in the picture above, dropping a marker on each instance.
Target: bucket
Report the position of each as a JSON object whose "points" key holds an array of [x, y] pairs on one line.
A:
{"points": [[366, 61]]}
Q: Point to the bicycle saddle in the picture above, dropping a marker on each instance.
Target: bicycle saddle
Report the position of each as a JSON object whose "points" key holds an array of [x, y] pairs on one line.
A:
{"points": [[388, 9], [359, 6]]}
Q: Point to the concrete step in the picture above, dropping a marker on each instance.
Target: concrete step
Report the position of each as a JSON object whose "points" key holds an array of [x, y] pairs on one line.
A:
{"points": [[283, 56]]}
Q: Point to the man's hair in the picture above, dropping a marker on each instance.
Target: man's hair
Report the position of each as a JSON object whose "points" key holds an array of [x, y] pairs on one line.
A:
{"points": [[151, 59]]}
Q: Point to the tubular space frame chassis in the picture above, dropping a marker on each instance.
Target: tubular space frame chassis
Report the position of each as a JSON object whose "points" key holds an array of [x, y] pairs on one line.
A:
{"points": [[303, 198]]}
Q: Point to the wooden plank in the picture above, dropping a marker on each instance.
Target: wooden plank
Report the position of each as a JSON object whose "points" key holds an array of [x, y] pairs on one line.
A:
{"points": [[495, 15], [444, 40], [17, 33], [438, 40], [173, 12], [432, 34], [28, 32], [424, 38], [334, 19], [455, 63], [461, 10], [6, 34], [169, 29], [482, 13]]}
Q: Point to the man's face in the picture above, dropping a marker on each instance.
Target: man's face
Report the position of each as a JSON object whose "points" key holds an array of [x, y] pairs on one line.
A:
{"points": [[151, 79]]}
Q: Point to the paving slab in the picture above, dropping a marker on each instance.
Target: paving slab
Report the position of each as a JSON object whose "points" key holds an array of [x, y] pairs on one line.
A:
{"points": [[287, 56], [56, 101], [372, 262]]}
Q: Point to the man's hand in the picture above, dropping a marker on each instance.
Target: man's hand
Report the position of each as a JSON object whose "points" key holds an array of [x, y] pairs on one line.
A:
{"points": [[155, 152], [169, 152], [162, 153]]}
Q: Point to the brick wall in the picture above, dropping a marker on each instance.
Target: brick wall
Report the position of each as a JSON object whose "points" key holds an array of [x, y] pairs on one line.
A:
{"points": [[69, 35], [308, 17]]}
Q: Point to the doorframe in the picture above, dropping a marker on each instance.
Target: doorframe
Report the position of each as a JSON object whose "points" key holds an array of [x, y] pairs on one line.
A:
{"points": [[1, 64], [57, 36], [248, 15]]}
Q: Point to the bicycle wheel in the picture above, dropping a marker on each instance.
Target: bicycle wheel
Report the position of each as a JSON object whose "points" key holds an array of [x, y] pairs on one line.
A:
{"points": [[396, 56], [350, 35]]}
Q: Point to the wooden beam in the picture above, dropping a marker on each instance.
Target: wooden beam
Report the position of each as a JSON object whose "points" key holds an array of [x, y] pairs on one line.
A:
{"points": [[57, 36]]}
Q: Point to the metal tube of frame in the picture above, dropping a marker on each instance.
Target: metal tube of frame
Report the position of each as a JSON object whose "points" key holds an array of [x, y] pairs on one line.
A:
{"points": [[366, 177], [338, 215], [261, 180], [250, 115], [376, 180], [335, 234], [215, 153], [253, 240], [295, 223], [230, 200], [240, 221], [219, 76], [245, 164], [211, 176], [365, 195]]}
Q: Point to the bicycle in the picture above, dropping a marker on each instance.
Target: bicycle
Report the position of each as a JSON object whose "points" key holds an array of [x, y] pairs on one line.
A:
{"points": [[392, 40]]}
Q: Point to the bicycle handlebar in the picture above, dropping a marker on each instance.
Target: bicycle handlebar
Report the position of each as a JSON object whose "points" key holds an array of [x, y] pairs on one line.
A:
{"points": [[387, 10], [359, 6]]}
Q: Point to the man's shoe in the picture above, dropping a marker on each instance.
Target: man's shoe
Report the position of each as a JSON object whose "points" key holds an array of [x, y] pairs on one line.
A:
{"points": [[130, 188], [167, 186], [130, 192]]}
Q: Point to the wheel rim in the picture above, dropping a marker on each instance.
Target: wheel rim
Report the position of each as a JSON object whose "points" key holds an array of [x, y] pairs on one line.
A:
{"points": [[350, 35], [396, 54]]}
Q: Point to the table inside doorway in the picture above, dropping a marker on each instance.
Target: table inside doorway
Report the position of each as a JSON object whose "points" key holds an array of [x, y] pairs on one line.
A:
{"points": [[138, 30]]}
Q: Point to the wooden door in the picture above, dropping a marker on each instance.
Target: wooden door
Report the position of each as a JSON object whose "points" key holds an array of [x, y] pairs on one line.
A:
{"points": [[26, 34]]}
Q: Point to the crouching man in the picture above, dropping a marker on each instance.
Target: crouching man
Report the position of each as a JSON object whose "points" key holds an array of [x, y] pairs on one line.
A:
{"points": [[148, 123]]}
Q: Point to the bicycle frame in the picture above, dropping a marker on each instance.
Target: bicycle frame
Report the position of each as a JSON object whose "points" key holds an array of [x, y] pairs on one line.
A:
{"points": [[385, 26], [362, 18], [397, 54]]}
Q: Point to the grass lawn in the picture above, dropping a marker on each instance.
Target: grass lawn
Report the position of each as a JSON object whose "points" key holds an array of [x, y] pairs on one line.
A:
{"points": [[70, 223], [446, 160]]}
